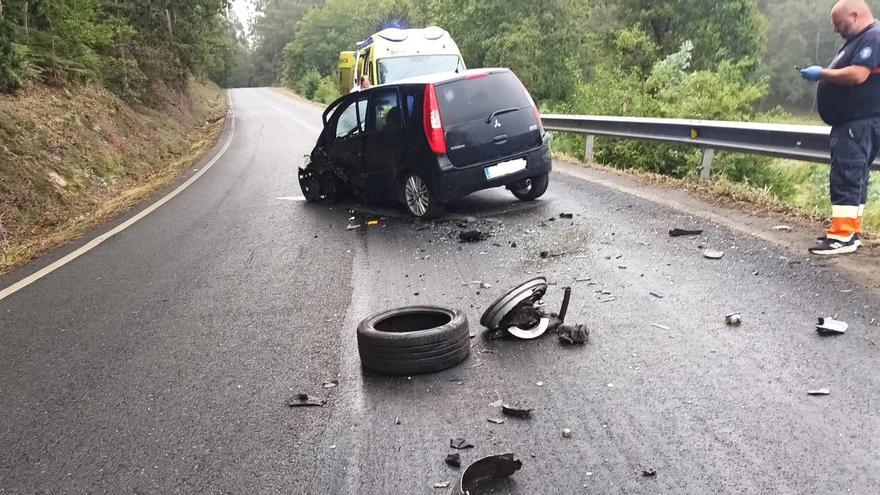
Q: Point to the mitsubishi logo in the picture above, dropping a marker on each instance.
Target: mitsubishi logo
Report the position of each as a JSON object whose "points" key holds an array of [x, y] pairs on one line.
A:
{"points": [[497, 123]]}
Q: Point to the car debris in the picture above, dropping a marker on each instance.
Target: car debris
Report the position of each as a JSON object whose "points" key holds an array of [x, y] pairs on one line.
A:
{"points": [[460, 444], [713, 254], [684, 233], [520, 312], [305, 400], [442, 484], [782, 228], [566, 433], [658, 296], [353, 226], [497, 421], [453, 460], [649, 473], [470, 236], [397, 420], [566, 216], [830, 326], [545, 254], [661, 327], [573, 334], [734, 319], [516, 412], [485, 469], [821, 391]]}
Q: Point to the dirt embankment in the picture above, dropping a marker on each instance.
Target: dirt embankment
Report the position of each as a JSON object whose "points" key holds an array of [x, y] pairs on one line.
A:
{"points": [[71, 158]]}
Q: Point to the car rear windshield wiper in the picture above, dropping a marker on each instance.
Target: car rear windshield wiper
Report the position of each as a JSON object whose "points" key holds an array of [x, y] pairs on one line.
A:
{"points": [[500, 112]]}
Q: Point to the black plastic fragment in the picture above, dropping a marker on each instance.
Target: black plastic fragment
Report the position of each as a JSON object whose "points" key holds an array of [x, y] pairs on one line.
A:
{"points": [[683, 232], [454, 460], [305, 400], [460, 444], [471, 236], [516, 412]]}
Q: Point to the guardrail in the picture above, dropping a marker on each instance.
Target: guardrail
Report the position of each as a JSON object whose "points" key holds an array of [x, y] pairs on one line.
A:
{"points": [[809, 143]]}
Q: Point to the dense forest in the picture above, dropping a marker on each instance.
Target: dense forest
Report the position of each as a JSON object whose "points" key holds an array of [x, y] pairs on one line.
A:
{"points": [[132, 47]]}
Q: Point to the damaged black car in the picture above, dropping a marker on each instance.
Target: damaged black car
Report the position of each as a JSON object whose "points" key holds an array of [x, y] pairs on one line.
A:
{"points": [[428, 141]]}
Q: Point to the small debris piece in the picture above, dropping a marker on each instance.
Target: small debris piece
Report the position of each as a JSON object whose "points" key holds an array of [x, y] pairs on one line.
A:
{"points": [[658, 296], [484, 285], [734, 319], [304, 400], [540, 384], [353, 226], [566, 216], [684, 233], [444, 484], [782, 228], [471, 236], [513, 244], [373, 222], [516, 412], [713, 254], [573, 334], [545, 254], [497, 421], [566, 433], [477, 474], [330, 384], [397, 420], [661, 327], [454, 460], [460, 444], [649, 473], [830, 326], [821, 391]]}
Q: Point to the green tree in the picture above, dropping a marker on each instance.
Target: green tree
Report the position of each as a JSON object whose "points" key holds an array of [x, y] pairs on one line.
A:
{"points": [[273, 27]]}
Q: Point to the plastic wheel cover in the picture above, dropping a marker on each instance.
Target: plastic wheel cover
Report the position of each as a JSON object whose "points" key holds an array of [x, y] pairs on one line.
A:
{"points": [[492, 317]]}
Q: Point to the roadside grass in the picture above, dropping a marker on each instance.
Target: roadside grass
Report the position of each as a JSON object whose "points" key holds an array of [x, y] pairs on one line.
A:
{"points": [[74, 158]]}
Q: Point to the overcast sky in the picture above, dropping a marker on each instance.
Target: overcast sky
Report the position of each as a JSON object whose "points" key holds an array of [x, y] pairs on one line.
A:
{"points": [[244, 9]]}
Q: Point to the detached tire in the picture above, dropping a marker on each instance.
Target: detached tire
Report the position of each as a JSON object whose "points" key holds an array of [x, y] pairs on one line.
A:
{"points": [[413, 340], [532, 189]]}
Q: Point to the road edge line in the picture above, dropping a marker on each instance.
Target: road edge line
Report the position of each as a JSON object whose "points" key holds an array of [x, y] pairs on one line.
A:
{"points": [[30, 279]]}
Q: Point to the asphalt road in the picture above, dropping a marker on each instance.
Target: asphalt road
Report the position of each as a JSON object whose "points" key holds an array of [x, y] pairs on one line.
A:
{"points": [[160, 361]]}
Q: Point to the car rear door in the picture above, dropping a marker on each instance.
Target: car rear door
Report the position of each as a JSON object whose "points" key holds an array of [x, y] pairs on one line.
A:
{"points": [[347, 148], [384, 142], [488, 117]]}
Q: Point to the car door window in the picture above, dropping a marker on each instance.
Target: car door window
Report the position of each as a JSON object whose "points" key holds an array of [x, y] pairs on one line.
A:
{"points": [[351, 119], [386, 111]]}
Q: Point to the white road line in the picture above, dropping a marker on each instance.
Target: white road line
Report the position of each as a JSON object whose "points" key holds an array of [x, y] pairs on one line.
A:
{"points": [[21, 284]]}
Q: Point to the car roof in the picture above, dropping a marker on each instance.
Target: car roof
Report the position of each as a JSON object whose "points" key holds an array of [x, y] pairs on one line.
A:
{"points": [[442, 77]]}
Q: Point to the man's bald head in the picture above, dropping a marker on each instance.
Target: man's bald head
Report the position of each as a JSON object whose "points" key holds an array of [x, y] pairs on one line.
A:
{"points": [[850, 17]]}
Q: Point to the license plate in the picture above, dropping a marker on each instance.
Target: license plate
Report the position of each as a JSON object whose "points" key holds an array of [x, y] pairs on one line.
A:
{"points": [[505, 168]]}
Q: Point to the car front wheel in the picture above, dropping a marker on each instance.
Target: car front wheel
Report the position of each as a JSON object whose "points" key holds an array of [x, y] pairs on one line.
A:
{"points": [[532, 188], [419, 199]]}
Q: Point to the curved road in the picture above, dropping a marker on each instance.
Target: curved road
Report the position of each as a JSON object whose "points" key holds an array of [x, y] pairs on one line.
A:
{"points": [[160, 361]]}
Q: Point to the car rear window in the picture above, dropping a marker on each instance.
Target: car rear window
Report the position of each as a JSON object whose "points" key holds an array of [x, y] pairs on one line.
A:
{"points": [[466, 100]]}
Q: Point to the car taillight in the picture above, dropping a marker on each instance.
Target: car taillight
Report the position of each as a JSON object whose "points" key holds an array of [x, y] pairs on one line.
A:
{"points": [[534, 106], [433, 123]]}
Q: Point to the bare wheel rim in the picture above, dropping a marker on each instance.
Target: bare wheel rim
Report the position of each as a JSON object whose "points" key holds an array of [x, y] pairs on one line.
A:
{"points": [[527, 186], [417, 197]]}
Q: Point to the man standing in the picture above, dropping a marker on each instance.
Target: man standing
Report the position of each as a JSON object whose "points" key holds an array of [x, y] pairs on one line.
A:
{"points": [[849, 101]]}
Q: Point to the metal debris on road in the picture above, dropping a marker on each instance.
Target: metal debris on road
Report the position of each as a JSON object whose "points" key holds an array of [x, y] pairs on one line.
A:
{"points": [[397, 420], [305, 400], [566, 216], [471, 236], [330, 384], [566, 433], [649, 473], [734, 319], [821, 391], [497, 421], [573, 334], [443, 484], [684, 233], [830, 326], [453, 460], [460, 444], [487, 468], [353, 226], [661, 327], [516, 412], [658, 296], [713, 254]]}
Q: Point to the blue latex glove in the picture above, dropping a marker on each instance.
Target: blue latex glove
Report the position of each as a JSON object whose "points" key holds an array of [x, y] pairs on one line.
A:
{"points": [[813, 73]]}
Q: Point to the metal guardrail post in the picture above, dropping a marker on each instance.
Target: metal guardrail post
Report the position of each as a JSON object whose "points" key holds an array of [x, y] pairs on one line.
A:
{"points": [[588, 149], [706, 168]]}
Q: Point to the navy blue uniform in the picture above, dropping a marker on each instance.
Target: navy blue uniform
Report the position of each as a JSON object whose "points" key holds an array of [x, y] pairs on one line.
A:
{"points": [[854, 114]]}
